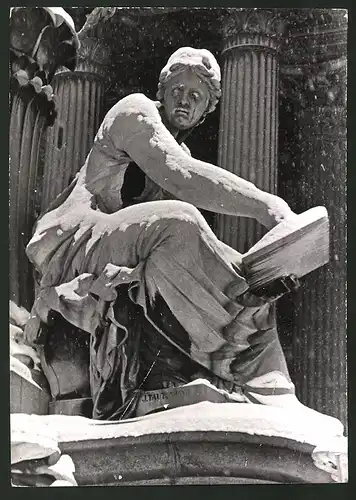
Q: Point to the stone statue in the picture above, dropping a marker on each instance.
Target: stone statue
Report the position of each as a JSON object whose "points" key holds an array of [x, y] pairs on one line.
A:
{"points": [[125, 255]]}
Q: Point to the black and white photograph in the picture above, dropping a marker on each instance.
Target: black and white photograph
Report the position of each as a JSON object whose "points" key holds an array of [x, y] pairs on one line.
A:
{"points": [[177, 246]]}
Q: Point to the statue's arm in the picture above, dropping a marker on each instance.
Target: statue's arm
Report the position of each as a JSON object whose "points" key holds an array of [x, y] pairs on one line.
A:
{"points": [[185, 149], [137, 129]]}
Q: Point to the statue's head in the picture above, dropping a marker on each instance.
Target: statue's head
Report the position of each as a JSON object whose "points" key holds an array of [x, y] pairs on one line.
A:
{"points": [[189, 87]]}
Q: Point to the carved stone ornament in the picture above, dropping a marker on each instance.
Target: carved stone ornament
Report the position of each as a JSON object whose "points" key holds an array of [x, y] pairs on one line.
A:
{"points": [[41, 39], [313, 64], [96, 17], [315, 85], [101, 36], [93, 56], [313, 36], [94, 53], [253, 27]]}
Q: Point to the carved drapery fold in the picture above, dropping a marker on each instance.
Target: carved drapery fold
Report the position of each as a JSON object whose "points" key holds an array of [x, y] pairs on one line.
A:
{"points": [[249, 111]]}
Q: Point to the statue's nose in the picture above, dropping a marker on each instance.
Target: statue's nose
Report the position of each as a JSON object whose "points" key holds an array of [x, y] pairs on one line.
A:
{"points": [[183, 101]]}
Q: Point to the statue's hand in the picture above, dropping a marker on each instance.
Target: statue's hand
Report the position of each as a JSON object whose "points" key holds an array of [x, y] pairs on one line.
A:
{"points": [[275, 211], [278, 288]]}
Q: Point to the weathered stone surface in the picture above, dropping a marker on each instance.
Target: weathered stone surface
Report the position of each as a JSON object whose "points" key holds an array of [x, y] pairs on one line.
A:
{"points": [[249, 111], [201, 441], [27, 396], [174, 397], [312, 171], [65, 360], [41, 39], [76, 406], [260, 420], [79, 104], [36, 459]]}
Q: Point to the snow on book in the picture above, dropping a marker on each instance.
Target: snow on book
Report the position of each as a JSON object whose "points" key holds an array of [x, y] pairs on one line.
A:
{"points": [[295, 246]]}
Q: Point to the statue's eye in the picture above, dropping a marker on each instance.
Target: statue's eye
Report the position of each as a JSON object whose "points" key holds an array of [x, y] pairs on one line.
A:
{"points": [[175, 92], [196, 96]]}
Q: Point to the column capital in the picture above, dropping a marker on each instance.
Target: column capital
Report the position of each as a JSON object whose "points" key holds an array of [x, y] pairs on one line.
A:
{"points": [[41, 40], [94, 53], [252, 27], [93, 56]]}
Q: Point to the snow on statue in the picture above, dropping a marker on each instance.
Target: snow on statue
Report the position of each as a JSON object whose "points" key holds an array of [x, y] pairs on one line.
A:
{"points": [[143, 273]]}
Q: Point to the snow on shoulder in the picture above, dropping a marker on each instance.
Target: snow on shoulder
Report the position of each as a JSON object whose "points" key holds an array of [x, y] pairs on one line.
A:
{"points": [[136, 105]]}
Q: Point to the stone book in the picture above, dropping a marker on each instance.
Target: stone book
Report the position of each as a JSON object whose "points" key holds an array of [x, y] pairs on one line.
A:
{"points": [[296, 247]]}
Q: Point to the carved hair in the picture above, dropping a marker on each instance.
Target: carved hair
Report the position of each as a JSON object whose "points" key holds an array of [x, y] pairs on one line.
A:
{"points": [[202, 63]]}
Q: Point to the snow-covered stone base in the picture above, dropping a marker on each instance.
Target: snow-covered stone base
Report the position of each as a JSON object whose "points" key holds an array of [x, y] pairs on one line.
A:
{"points": [[216, 439]]}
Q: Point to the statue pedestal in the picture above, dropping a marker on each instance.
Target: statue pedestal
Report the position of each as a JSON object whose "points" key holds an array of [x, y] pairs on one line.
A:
{"points": [[29, 392], [204, 443], [174, 397]]}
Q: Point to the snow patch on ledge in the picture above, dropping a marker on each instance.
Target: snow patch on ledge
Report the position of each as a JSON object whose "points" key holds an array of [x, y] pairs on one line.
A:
{"points": [[205, 416]]}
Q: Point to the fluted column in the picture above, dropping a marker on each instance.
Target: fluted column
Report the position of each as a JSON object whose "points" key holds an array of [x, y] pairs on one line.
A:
{"points": [[79, 102], [80, 106], [40, 39], [249, 112], [313, 155], [27, 123]]}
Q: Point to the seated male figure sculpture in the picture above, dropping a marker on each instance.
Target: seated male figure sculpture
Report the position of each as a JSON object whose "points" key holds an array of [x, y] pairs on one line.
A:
{"points": [[145, 275]]}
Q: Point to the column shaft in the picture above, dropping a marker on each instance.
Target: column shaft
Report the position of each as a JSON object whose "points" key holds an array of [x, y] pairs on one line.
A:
{"points": [[312, 171], [79, 104], [26, 128], [248, 128], [318, 327]]}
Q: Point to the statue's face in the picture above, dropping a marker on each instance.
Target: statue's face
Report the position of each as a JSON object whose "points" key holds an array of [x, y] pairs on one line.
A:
{"points": [[186, 98]]}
